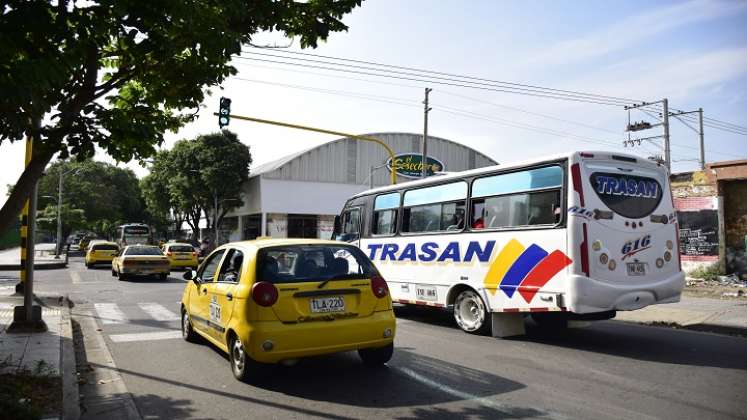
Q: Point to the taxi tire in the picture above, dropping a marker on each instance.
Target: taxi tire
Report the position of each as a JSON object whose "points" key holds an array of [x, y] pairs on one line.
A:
{"points": [[123, 277], [246, 370], [163, 277], [188, 333], [469, 303], [377, 356]]}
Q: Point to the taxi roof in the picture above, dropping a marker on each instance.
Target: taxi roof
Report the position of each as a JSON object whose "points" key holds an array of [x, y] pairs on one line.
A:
{"points": [[270, 242], [168, 244]]}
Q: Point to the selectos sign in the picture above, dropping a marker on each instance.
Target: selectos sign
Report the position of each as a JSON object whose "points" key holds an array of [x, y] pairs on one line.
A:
{"points": [[410, 165]]}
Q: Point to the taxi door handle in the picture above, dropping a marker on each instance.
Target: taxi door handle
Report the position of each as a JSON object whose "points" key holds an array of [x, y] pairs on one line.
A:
{"points": [[229, 296], [204, 291]]}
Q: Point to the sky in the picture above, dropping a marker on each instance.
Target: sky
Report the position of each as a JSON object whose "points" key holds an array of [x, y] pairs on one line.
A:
{"points": [[692, 52]]}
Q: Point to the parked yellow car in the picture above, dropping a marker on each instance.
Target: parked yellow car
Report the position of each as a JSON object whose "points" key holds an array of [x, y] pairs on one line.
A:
{"points": [[100, 252], [275, 301], [181, 255], [140, 260]]}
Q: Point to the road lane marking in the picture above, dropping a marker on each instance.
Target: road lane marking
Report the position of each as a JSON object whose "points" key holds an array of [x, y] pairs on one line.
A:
{"points": [[158, 312], [109, 313], [508, 410], [76, 277], [159, 335]]}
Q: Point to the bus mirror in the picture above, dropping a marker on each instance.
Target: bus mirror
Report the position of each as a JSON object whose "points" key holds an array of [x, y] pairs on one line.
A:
{"points": [[336, 230]]}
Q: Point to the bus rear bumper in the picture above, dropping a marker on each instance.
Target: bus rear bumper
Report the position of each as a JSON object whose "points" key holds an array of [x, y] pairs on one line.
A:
{"points": [[586, 295]]}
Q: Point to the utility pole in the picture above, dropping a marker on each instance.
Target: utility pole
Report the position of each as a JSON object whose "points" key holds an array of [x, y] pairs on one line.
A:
{"points": [[425, 135], [665, 121], [59, 218], [215, 217], [702, 144]]}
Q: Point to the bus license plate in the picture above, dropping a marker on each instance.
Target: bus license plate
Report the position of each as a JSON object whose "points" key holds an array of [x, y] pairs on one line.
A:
{"points": [[636, 269], [426, 293], [328, 304]]}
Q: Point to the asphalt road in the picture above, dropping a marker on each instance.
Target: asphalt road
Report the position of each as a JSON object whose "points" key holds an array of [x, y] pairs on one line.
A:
{"points": [[607, 370]]}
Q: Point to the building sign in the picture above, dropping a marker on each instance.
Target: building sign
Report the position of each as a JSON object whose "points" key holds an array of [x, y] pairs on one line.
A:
{"points": [[410, 165]]}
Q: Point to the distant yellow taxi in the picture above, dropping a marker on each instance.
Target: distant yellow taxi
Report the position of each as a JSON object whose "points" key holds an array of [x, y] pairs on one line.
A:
{"points": [[100, 252], [181, 255], [275, 301], [140, 260]]}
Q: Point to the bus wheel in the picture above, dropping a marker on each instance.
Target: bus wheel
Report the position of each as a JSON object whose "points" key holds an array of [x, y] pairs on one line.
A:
{"points": [[470, 313]]}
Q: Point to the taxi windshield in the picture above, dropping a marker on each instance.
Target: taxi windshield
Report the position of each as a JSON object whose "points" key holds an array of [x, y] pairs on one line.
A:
{"points": [[301, 263], [143, 250]]}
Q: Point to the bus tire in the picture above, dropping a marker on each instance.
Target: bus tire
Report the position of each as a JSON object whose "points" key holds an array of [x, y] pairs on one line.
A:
{"points": [[471, 314]]}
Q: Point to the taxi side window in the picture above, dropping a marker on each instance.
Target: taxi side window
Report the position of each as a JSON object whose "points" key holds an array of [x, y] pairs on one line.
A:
{"points": [[230, 270], [211, 266]]}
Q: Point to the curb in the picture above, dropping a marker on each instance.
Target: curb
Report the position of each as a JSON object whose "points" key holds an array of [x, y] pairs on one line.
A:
{"points": [[709, 328], [70, 392], [37, 266]]}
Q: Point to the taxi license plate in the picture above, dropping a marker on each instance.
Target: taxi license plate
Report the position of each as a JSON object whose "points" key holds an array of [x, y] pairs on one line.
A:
{"points": [[327, 304], [636, 269]]}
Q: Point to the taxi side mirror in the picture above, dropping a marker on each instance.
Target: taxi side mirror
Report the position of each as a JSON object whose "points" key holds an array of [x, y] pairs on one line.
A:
{"points": [[189, 275]]}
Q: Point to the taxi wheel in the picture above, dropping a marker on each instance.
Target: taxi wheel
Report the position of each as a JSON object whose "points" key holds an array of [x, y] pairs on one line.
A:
{"points": [[244, 368], [470, 313], [377, 356], [123, 277], [114, 273], [163, 277], [188, 334]]}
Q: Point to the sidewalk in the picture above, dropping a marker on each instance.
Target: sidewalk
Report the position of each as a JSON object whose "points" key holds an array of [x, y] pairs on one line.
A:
{"points": [[702, 314], [10, 259], [49, 354]]}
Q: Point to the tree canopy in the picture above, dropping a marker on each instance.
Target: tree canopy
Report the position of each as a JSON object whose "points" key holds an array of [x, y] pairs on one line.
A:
{"points": [[118, 73], [106, 194], [187, 180]]}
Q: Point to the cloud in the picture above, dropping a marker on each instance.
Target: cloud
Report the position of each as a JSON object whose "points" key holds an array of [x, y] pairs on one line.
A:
{"points": [[631, 31]]}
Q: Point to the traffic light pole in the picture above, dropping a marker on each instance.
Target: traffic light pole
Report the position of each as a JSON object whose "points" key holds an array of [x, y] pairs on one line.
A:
{"points": [[388, 149]]}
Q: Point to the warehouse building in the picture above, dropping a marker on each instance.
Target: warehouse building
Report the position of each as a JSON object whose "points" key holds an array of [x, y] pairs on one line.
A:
{"points": [[299, 195]]}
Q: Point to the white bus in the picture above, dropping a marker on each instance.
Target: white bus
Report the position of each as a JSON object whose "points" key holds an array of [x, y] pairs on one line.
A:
{"points": [[576, 236], [133, 234]]}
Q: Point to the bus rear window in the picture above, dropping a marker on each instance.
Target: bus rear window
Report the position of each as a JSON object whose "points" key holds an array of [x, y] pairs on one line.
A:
{"points": [[629, 196], [105, 247]]}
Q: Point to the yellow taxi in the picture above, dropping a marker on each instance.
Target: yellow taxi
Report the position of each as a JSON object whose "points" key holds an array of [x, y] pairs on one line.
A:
{"points": [[140, 260], [275, 301], [100, 252], [180, 255]]}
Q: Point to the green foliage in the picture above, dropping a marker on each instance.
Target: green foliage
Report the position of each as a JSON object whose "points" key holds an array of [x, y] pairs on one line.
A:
{"points": [[707, 272], [186, 180], [106, 194], [119, 73], [72, 219]]}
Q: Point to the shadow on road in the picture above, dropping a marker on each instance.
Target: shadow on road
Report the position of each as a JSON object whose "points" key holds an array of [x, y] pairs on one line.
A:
{"points": [[639, 342]]}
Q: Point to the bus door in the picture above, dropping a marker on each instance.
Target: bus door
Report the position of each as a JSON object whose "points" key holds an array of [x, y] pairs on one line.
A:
{"points": [[630, 223], [350, 225]]}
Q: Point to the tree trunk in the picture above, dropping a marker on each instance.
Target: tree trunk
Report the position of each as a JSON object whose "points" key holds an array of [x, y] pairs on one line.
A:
{"points": [[23, 187]]}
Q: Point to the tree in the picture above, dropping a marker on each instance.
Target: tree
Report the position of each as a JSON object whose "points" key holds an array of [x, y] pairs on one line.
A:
{"points": [[189, 179], [72, 219], [118, 73], [108, 195], [161, 207]]}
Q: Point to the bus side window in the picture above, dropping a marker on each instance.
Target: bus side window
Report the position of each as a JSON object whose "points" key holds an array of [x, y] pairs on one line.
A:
{"points": [[508, 200], [435, 209], [385, 214]]}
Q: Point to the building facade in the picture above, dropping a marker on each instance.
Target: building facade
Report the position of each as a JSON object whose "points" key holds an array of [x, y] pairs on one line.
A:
{"points": [[712, 214], [299, 195]]}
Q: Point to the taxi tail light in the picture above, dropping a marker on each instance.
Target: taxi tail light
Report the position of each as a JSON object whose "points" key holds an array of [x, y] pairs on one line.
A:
{"points": [[379, 286], [264, 293]]}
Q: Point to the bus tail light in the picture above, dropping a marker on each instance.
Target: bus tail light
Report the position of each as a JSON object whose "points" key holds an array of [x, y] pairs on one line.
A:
{"points": [[586, 154], [379, 286], [585, 253], [264, 293], [577, 186]]}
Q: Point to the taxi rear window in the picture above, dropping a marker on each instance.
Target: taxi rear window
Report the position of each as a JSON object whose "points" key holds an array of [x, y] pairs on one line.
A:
{"points": [[181, 248], [143, 250], [105, 247], [302, 263]]}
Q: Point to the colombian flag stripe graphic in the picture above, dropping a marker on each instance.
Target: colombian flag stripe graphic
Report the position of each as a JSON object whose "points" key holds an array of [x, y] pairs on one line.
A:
{"points": [[521, 267], [542, 273], [502, 263]]}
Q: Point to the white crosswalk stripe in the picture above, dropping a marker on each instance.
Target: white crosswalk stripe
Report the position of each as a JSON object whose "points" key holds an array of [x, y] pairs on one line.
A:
{"points": [[158, 312], [147, 336], [109, 313]]}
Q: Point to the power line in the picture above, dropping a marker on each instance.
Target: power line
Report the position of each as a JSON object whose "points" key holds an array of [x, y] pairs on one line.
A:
{"points": [[516, 88]]}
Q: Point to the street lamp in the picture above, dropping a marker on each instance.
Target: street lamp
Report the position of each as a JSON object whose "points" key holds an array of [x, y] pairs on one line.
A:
{"points": [[59, 210]]}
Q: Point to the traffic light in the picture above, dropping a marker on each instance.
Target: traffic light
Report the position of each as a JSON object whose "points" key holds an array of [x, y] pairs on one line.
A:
{"points": [[224, 114], [638, 126]]}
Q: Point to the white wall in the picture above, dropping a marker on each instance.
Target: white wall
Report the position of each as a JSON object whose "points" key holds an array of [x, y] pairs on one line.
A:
{"points": [[279, 196]]}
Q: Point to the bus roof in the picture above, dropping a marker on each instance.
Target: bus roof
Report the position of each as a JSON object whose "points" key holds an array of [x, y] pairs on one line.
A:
{"points": [[606, 155]]}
